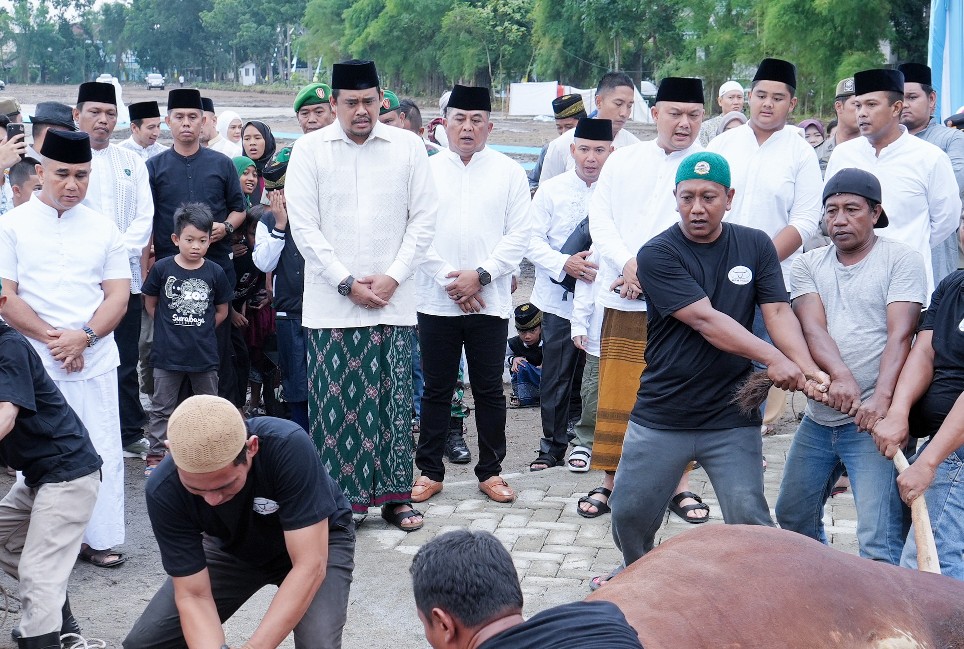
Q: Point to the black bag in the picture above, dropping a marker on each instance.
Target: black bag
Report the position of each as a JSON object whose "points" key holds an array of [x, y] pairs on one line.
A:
{"points": [[578, 241]]}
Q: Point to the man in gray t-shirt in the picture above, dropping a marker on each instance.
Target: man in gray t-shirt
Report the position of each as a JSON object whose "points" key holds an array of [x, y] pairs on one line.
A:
{"points": [[858, 302]]}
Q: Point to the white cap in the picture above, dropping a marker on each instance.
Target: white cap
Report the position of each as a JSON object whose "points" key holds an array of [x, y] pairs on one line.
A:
{"points": [[729, 86], [443, 101]]}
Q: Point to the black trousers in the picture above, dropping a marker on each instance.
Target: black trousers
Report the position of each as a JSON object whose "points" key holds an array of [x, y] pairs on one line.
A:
{"points": [[562, 364], [441, 339], [127, 336]]}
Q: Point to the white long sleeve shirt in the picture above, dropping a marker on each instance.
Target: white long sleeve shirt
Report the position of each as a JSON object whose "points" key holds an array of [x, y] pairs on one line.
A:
{"points": [[777, 183], [918, 190], [120, 189], [143, 152], [359, 209], [59, 264], [587, 316], [559, 156], [557, 208], [633, 202], [483, 222]]}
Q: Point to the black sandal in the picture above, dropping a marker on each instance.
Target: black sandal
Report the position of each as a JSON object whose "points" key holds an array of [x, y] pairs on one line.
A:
{"points": [[101, 558], [547, 459], [601, 507], [682, 511], [393, 517]]}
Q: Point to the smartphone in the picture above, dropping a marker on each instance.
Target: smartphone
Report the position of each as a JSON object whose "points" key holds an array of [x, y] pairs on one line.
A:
{"points": [[14, 128]]}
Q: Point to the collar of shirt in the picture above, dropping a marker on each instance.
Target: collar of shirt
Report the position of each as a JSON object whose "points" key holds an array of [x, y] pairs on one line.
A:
{"points": [[336, 132]]}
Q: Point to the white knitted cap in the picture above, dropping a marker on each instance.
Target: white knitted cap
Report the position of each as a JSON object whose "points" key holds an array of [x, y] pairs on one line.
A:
{"points": [[729, 86], [205, 433]]}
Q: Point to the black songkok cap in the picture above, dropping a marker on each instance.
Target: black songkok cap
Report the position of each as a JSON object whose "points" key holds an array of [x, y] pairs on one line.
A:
{"points": [[878, 80], [594, 129], [184, 98], [207, 104], [69, 147], [568, 106], [354, 75], [686, 90], [916, 73], [527, 317], [144, 110], [777, 70], [102, 93], [470, 98]]}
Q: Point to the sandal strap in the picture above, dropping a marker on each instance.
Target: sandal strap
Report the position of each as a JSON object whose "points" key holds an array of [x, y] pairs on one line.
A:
{"points": [[601, 490], [683, 495]]}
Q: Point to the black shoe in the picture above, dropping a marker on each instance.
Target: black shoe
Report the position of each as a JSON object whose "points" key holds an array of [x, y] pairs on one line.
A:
{"points": [[69, 624], [46, 641], [455, 449]]}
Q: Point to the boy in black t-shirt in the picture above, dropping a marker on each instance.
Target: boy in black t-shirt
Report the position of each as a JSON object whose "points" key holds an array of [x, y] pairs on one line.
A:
{"points": [[524, 357], [44, 515], [237, 506], [188, 297], [702, 280]]}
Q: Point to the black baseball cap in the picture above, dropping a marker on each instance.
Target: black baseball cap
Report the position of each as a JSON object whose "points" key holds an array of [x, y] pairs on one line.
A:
{"points": [[857, 182]]}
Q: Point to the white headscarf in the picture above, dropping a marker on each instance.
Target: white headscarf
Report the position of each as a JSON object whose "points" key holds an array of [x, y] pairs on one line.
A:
{"points": [[224, 121]]}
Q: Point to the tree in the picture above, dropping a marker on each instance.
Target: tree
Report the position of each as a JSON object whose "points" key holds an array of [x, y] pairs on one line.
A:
{"points": [[911, 20], [111, 21]]}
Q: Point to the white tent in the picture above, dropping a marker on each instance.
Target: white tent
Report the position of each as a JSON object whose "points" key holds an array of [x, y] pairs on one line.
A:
{"points": [[946, 54], [536, 99]]}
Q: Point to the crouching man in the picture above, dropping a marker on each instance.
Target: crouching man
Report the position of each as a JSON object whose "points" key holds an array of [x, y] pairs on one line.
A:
{"points": [[236, 506], [45, 513]]}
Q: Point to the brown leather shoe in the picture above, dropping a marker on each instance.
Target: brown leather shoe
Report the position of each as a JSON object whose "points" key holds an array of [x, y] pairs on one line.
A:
{"points": [[497, 489], [424, 488]]}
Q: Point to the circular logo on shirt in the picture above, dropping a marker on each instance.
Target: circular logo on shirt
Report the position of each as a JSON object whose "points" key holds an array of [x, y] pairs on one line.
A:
{"points": [[740, 275]]}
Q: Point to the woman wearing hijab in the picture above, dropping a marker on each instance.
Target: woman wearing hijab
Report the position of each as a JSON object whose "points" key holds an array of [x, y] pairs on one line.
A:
{"points": [[229, 126], [258, 143], [248, 175], [730, 120]]}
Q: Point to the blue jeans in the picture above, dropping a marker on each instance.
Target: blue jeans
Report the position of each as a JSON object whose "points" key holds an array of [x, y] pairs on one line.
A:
{"points": [[293, 358], [945, 504], [813, 465]]}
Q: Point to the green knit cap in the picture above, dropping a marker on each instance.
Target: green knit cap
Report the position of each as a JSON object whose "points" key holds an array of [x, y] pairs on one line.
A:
{"points": [[704, 166], [241, 163], [389, 103], [313, 93]]}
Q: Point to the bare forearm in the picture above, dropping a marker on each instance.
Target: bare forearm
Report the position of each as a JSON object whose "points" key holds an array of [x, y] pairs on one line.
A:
{"points": [[787, 336], [891, 361], [915, 378], [235, 219], [199, 622], [21, 317], [288, 606], [110, 312], [726, 334], [787, 242], [823, 348]]}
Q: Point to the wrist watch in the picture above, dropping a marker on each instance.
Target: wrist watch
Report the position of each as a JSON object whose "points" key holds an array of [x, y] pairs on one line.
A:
{"points": [[344, 289], [92, 338], [228, 228], [484, 277]]}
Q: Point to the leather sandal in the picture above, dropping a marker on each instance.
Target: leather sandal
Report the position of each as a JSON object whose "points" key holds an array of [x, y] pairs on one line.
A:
{"points": [[497, 489], [424, 488], [392, 516]]}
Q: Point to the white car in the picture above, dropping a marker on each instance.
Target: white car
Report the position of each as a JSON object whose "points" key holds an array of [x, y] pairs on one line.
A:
{"points": [[105, 78], [155, 80]]}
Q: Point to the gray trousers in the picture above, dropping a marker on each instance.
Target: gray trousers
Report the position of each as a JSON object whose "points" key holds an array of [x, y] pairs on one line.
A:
{"points": [[233, 582], [167, 391], [652, 464], [585, 430], [40, 534]]}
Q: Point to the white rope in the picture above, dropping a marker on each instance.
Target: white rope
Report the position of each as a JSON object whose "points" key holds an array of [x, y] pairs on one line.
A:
{"points": [[74, 641]]}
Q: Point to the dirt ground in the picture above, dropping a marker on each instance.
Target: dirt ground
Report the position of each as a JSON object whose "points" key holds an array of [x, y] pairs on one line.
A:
{"points": [[107, 602]]}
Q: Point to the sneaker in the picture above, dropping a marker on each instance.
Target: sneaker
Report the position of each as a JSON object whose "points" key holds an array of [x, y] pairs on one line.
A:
{"points": [[455, 449], [138, 449]]}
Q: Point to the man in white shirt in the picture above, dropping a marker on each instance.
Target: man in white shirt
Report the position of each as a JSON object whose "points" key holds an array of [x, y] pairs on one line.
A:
{"points": [[67, 278], [919, 188], [559, 206], [774, 171], [209, 132], [615, 96], [731, 100], [145, 129], [628, 208], [465, 289], [920, 102], [120, 189], [361, 204]]}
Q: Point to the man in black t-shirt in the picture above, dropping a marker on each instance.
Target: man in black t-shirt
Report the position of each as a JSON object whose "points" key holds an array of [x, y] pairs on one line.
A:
{"points": [[467, 594], [235, 507], [702, 280], [43, 516]]}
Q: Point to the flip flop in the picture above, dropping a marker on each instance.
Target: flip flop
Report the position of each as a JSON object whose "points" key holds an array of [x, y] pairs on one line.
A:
{"points": [[396, 518], [547, 459], [601, 507], [99, 558], [579, 454], [682, 511], [599, 581]]}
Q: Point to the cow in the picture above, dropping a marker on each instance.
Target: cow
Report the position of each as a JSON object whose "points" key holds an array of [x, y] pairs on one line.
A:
{"points": [[741, 587]]}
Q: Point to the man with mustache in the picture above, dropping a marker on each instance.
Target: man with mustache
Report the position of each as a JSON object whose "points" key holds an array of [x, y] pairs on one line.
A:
{"points": [[120, 188], [361, 206], [916, 177]]}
